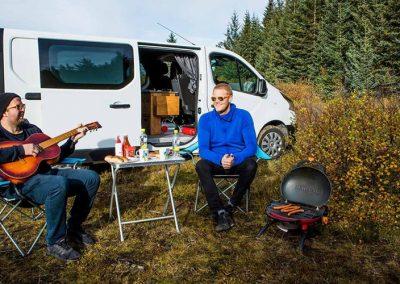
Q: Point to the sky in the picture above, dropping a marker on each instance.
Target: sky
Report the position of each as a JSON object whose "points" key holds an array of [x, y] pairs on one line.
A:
{"points": [[203, 22]]}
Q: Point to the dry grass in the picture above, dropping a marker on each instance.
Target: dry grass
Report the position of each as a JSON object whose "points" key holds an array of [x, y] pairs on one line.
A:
{"points": [[154, 252]]}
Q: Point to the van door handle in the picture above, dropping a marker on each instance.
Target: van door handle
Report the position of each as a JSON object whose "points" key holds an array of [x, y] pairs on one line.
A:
{"points": [[33, 96], [118, 105]]}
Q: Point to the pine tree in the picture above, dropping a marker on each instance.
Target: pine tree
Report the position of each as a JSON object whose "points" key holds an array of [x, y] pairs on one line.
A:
{"points": [[171, 38], [340, 45], [269, 60], [250, 38], [232, 33], [268, 13], [387, 43]]}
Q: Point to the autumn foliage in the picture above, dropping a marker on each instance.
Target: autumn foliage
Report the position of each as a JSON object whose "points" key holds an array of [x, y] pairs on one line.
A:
{"points": [[357, 139]]}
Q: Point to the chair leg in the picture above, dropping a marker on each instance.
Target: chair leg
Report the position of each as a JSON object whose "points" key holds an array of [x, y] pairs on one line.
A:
{"points": [[247, 200], [196, 204], [197, 196], [37, 238], [11, 239]]}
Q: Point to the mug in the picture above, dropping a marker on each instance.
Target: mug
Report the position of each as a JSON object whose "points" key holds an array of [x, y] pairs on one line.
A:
{"points": [[143, 154], [165, 153]]}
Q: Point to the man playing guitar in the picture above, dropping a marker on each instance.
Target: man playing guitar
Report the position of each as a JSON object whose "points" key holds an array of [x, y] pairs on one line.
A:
{"points": [[48, 186]]}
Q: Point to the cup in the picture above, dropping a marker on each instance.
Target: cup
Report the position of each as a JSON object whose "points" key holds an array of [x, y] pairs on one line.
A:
{"points": [[165, 153], [143, 154]]}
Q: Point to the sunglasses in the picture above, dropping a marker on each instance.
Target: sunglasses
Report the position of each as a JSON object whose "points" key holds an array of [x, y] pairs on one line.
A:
{"points": [[219, 98], [19, 107]]}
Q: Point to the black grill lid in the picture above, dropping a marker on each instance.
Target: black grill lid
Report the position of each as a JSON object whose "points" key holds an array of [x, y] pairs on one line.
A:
{"points": [[306, 185]]}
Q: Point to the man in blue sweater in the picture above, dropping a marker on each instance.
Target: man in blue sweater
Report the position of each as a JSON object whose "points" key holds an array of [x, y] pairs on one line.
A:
{"points": [[227, 145]]}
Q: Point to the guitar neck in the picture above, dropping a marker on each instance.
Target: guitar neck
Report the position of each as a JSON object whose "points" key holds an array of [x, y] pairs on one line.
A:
{"points": [[57, 139]]}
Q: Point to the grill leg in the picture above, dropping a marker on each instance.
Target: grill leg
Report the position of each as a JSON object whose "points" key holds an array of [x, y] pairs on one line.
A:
{"points": [[266, 226], [303, 238]]}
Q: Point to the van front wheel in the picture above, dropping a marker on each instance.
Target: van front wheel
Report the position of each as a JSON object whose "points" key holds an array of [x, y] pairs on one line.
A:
{"points": [[272, 140]]}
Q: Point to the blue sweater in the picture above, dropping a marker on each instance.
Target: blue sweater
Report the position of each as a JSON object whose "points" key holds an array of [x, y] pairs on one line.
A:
{"points": [[232, 133]]}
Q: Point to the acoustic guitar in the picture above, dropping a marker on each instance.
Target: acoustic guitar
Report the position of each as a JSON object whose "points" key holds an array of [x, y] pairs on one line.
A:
{"points": [[19, 171]]}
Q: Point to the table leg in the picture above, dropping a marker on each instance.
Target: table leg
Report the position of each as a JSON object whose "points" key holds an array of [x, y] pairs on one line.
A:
{"points": [[173, 186], [114, 180], [170, 189], [115, 193]]}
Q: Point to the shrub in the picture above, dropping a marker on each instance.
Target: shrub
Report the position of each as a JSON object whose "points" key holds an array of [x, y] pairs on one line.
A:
{"points": [[357, 139]]}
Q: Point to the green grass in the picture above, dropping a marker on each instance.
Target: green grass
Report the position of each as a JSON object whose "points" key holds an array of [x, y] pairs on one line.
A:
{"points": [[154, 252]]}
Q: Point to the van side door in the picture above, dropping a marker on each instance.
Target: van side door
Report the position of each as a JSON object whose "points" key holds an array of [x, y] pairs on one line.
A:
{"points": [[85, 81]]}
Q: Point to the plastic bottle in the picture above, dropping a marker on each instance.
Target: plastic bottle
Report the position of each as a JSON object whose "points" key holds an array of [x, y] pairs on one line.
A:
{"points": [[143, 139], [118, 147], [125, 146], [175, 143]]}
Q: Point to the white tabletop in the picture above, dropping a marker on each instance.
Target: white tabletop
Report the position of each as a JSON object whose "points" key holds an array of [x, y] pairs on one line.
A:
{"points": [[153, 161]]}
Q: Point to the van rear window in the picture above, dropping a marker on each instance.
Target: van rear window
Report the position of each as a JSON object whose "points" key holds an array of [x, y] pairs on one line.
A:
{"points": [[68, 64]]}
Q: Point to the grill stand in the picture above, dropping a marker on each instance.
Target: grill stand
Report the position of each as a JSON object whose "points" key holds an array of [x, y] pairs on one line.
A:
{"points": [[303, 236]]}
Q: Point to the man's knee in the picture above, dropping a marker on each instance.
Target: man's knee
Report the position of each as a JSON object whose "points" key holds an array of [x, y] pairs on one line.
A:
{"points": [[202, 166], [93, 177], [92, 180], [59, 186], [250, 166]]}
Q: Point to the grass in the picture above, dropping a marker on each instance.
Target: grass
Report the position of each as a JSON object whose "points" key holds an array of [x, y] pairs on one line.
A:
{"points": [[154, 252]]}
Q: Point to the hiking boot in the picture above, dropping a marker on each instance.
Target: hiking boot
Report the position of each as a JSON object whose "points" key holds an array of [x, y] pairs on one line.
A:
{"points": [[80, 237], [63, 251], [224, 221], [230, 209]]}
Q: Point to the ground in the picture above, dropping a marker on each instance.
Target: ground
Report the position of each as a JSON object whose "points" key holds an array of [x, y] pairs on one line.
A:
{"points": [[154, 252]]}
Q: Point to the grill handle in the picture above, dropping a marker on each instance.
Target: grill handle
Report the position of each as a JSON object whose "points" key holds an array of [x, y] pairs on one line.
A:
{"points": [[307, 163]]}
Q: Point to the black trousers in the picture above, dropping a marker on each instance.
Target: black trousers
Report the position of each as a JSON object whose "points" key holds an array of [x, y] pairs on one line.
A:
{"points": [[206, 169]]}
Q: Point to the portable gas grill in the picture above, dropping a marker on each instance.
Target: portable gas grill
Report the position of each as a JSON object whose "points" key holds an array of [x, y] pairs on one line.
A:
{"points": [[306, 186]]}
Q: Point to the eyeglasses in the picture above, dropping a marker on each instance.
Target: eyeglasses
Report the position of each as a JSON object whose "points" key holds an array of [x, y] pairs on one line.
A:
{"points": [[219, 98], [19, 107]]}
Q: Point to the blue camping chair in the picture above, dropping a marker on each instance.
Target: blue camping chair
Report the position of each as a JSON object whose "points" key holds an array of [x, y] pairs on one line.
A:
{"points": [[15, 201], [223, 182]]}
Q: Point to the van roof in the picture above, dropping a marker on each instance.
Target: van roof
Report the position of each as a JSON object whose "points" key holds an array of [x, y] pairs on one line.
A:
{"points": [[100, 38]]}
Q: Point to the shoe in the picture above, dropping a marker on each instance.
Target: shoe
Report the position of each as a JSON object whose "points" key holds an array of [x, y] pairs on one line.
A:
{"points": [[224, 221], [63, 251], [230, 209], [80, 237]]}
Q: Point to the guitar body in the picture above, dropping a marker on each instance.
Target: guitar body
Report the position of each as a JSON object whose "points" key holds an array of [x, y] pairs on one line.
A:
{"points": [[19, 171]]}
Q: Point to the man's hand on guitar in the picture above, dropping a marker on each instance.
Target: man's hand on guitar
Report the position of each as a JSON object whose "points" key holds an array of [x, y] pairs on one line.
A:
{"points": [[81, 132], [31, 149]]}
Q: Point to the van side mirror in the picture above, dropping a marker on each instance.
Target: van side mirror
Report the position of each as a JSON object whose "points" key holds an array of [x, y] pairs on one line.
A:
{"points": [[262, 87]]}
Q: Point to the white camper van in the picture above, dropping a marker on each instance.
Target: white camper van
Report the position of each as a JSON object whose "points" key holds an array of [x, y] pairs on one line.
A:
{"points": [[68, 79]]}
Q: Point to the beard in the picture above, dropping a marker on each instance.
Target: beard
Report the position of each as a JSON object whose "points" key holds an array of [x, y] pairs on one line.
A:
{"points": [[21, 120], [224, 109]]}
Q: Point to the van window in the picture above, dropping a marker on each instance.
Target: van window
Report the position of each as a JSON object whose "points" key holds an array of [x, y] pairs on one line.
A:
{"points": [[230, 70], [84, 65]]}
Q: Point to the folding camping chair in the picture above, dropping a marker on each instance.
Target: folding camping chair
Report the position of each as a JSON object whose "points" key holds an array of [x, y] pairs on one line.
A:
{"points": [[14, 201], [224, 182]]}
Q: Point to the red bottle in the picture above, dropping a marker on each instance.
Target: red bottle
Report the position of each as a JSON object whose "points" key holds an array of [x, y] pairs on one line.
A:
{"points": [[126, 146], [118, 147]]}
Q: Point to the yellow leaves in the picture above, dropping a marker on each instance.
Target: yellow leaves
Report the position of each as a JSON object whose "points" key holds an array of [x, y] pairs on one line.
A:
{"points": [[357, 140]]}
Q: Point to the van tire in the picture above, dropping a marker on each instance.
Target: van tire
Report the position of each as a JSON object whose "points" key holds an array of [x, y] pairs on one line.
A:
{"points": [[273, 140]]}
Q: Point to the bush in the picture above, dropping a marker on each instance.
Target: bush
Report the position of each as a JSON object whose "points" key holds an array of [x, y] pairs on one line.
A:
{"points": [[357, 139]]}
